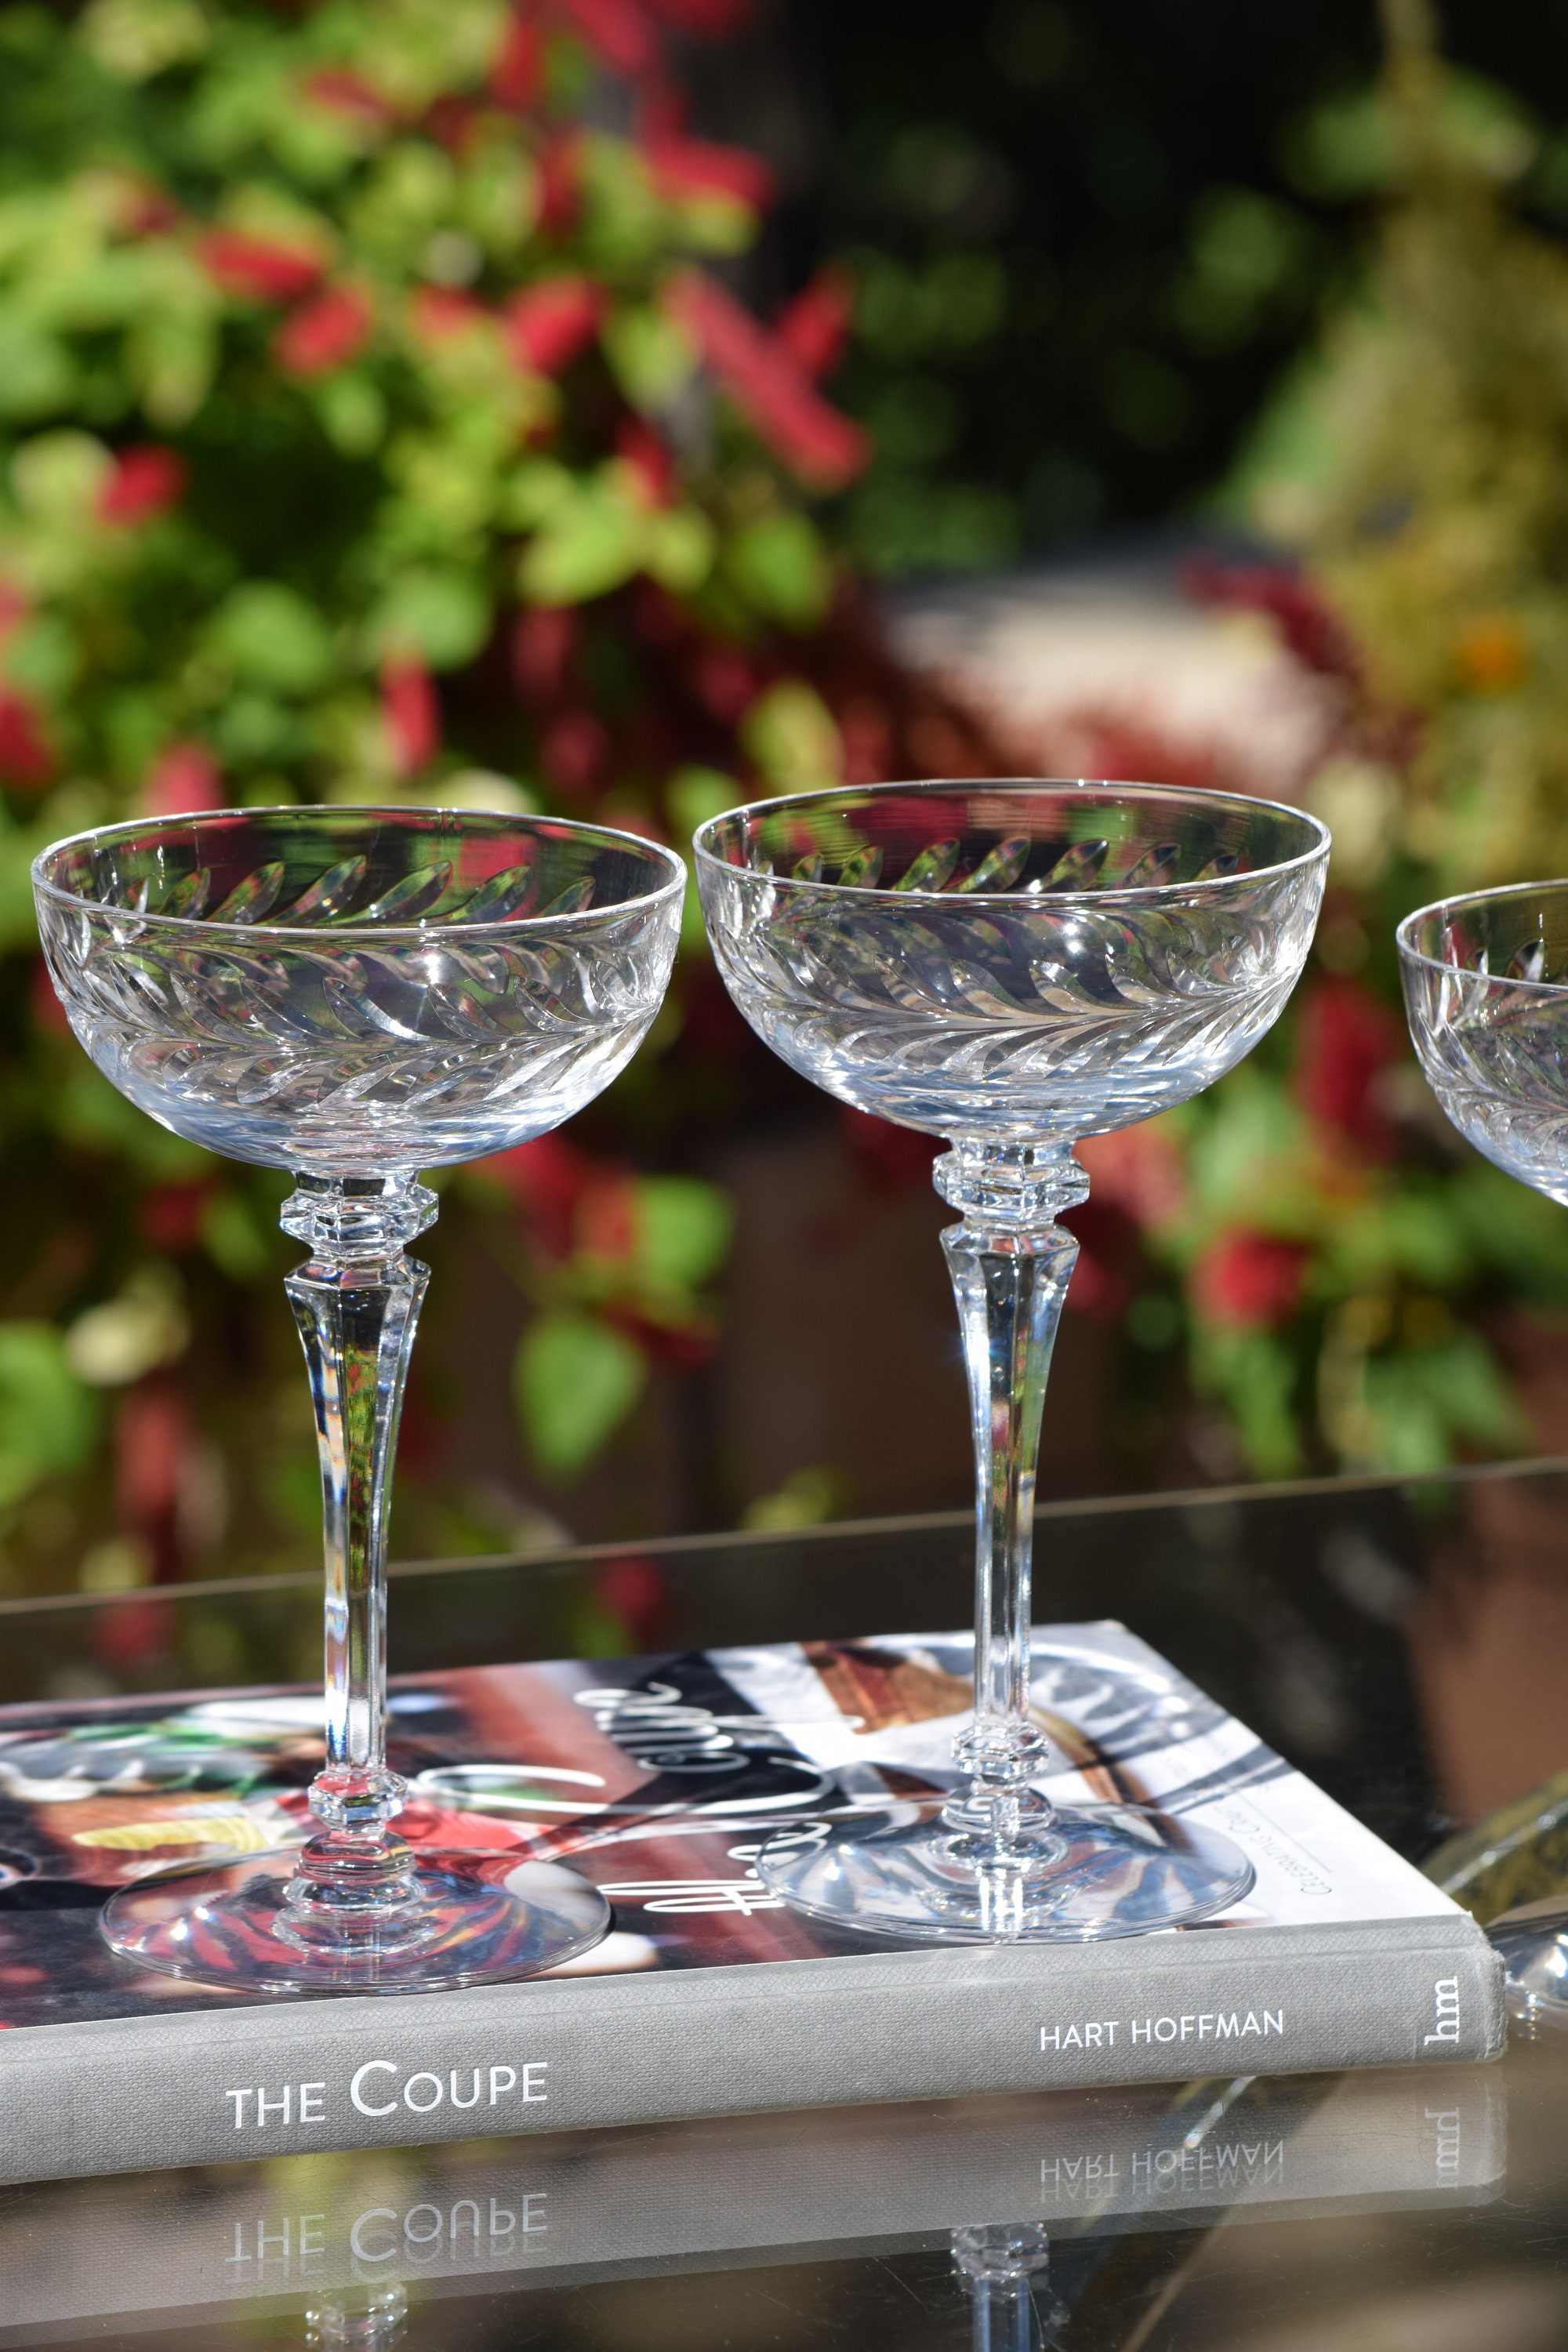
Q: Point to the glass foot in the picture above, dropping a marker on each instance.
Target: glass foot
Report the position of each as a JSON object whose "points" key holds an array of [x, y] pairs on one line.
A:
{"points": [[1086, 1876], [472, 1918], [1533, 1941]]}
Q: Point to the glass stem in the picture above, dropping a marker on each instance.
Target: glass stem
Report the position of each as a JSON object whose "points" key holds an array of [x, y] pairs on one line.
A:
{"points": [[1010, 1264], [356, 1301]]}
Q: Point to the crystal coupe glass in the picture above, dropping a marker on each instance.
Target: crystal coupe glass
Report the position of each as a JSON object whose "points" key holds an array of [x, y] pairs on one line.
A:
{"points": [[1013, 965], [352, 994], [1486, 990]]}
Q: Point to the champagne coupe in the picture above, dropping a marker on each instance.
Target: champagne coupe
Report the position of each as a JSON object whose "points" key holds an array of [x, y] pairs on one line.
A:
{"points": [[1013, 965], [352, 994], [1486, 990]]}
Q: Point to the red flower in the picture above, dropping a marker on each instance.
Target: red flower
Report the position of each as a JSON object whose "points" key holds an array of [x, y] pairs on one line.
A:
{"points": [[546, 1179], [726, 682], [185, 777], [152, 1439], [1315, 634], [26, 758], [649, 455], [1137, 1170], [893, 1158], [560, 183], [142, 483], [574, 752], [638, 1592], [342, 91], [709, 16], [544, 640], [606, 1222], [169, 1216], [547, 325], [48, 1009], [814, 327], [144, 209], [694, 167], [257, 266], [1348, 1040], [325, 332], [412, 712], [1247, 1281], [768, 385], [618, 29], [517, 76]]}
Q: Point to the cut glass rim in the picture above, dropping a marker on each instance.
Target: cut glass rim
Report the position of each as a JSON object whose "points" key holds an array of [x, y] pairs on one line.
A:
{"points": [[509, 925], [1171, 794], [1410, 953]]}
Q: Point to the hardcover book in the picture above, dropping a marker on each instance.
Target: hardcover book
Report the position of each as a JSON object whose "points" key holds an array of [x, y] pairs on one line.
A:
{"points": [[156, 2253], [659, 1779]]}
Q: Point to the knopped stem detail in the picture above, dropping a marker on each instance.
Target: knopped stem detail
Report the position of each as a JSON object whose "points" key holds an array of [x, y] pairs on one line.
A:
{"points": [[1010, 1265], [356, 1301]]}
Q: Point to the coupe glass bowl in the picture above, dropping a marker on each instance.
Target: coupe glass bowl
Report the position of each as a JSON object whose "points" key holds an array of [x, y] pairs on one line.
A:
{"points": [[1486, 989], [1013, 965], [352, 994]]}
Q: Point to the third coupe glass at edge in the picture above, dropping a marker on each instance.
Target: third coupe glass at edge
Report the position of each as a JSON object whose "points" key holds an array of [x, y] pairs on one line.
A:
{"points": [[1013, 966]]}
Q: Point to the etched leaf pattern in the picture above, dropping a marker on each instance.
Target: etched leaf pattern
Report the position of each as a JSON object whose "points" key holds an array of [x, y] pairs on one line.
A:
{"points": [[436, 1040], [1047, 1014], [1496, 1057]]}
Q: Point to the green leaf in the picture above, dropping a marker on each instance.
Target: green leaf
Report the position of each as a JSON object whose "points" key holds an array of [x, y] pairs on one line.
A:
{"points": [[38, 375], [353, 410], [694, 794], [56, 476], [790, 732], [47, 1418], [170, 357], [573, 1382], [588, 545], [651, 357], [684, 1228], [444, 616], [779, 566], [273, 637], [682, 546]]}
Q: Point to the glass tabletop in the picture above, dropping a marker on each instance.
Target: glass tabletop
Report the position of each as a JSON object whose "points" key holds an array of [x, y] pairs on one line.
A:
{"points": [[1405, 1642]]}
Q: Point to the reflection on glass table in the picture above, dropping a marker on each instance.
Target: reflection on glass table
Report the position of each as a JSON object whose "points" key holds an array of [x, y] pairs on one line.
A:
{"points": [[860, 2225], [1406, 1643]]}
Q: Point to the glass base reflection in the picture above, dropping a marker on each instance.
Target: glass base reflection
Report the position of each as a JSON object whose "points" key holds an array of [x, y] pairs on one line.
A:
{"points": [[921, 1869], [467, 1918]]}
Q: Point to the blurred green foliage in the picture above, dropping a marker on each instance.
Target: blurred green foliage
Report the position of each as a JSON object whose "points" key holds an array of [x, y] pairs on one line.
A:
{"points": [[1356, 1286], [1089, 234], [371, 427]]}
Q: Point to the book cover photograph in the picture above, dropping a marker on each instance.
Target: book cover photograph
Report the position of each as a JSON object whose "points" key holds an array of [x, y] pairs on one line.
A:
{"points": [[657, 1779]]}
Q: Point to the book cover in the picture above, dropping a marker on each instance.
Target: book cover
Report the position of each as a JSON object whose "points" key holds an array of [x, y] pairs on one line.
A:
{"points": [[659, 1779], [569, 2208]]}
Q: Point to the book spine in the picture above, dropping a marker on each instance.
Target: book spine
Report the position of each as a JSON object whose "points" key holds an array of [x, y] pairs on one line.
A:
{"points": [[149, 2093]]}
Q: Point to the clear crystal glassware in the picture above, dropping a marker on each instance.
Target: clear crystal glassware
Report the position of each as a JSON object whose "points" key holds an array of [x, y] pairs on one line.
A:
{"points": [[353, 994], [1013, 965], [1486, 990]]}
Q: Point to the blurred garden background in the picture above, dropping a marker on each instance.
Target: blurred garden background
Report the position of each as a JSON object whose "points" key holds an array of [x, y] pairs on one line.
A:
{"points": [[630, 406]]}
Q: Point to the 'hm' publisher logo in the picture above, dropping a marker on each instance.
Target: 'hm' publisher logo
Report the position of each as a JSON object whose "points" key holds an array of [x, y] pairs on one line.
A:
{"points": [[1446, 2010]]}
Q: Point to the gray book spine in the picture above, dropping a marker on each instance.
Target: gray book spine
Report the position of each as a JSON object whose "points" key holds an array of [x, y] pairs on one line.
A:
{"points": [[203, 2087]]}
